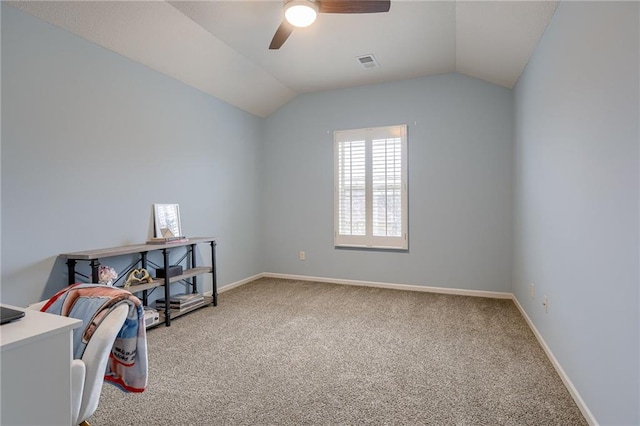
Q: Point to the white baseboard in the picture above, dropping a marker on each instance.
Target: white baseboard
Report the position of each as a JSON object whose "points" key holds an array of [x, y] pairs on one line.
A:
{"points": [[234, 284], [408, 287], [460, 292], [239, 283], [565, 379]]}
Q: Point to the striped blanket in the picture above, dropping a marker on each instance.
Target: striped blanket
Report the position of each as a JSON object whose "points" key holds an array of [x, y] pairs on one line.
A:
{"points": [[127, 368]]}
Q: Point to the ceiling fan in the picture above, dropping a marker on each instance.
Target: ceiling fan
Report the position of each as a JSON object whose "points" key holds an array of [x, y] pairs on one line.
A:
{"points": [[302, 13]]}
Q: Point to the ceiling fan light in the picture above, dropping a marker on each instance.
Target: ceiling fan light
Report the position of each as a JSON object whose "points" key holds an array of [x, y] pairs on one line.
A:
{"points": [[300, 13]]}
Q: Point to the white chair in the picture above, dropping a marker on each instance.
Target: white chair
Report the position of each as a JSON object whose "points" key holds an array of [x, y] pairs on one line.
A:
{"points": [[87, 373]]}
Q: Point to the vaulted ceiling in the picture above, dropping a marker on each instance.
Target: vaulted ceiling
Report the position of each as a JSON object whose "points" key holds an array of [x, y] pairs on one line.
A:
{"points": [[221, 47]]}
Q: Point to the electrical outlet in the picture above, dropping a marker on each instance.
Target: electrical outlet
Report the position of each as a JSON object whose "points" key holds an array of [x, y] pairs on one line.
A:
{"points": [[302, 255], [532, 290], [545, 304]]}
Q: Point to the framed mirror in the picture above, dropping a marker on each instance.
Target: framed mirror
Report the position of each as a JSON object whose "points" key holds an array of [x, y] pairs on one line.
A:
{"points": [[167, 220]]}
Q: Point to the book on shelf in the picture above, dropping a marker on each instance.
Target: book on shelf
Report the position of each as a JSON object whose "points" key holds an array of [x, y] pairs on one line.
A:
{"points": [[181, 308], [181, 300], [167, 240]]}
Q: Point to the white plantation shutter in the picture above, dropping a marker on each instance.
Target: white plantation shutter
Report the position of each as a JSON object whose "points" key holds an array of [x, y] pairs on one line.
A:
{"points": [[371, 187], [351, 178], [387, 183]]}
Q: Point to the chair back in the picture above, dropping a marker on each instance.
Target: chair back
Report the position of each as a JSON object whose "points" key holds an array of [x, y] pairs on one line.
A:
{"points": [[96, 356]]}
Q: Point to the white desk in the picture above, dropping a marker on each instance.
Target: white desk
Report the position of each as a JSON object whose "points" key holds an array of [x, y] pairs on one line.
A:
{"points": [[35, 369]]}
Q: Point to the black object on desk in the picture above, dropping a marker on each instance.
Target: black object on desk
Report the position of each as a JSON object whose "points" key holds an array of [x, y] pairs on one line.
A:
{"points": [[8, 314]]}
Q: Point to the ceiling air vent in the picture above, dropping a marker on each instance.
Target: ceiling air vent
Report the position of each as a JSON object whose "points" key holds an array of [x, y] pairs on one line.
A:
{"points": [[368, 61]]}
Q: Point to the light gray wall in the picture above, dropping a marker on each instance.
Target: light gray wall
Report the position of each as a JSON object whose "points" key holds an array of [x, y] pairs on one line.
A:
{"points": [[459, 141], [576, 200], [90, 140]]}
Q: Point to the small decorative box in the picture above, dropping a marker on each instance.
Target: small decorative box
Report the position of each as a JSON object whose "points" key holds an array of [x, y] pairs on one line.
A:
{"points": [[173, 271]]}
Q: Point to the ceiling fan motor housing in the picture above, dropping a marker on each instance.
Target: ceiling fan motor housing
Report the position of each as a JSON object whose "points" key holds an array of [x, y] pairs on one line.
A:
{"points": [[300, 13]]}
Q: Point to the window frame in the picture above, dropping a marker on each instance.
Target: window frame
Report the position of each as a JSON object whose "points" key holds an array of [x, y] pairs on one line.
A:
{"points": [[369, 240]]}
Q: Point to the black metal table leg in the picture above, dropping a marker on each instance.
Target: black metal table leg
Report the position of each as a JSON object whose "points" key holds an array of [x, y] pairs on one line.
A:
{"points": [[71, 268], [143, 264], [194, 280], [213, 273], [167, 290], [95, 264]]}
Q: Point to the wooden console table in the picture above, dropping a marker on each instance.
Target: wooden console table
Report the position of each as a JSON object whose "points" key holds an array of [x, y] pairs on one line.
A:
{"points": [[189, 274]]}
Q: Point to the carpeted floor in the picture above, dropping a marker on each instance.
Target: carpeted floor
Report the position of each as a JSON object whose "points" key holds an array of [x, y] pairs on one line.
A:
{"points": [[280, 352]]}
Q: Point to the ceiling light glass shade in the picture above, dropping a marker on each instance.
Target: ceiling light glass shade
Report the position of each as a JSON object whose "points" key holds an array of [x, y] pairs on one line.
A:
{"points": [[300, 13]]}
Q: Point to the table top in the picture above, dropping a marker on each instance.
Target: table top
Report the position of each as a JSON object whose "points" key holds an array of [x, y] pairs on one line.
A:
{"points": [[134, 248], [33, 326]]}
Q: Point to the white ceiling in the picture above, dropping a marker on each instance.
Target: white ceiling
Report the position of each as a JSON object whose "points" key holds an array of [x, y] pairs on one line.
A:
{"points": [[221, 47]]}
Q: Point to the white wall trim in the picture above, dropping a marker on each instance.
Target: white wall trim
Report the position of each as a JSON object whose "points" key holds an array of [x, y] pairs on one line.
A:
{"points": [[565, 379], [235, 284], [460, 292], [408, 287]]}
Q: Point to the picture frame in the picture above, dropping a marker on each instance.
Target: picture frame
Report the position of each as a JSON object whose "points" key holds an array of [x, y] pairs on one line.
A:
{"points": [[167, 220]]}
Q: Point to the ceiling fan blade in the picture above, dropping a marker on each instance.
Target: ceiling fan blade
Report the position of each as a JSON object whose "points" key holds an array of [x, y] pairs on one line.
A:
{"points": [[282, 34], [354, 6]]}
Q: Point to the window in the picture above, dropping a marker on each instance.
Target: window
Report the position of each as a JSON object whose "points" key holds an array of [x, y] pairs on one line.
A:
{"points": [[371, 187]]}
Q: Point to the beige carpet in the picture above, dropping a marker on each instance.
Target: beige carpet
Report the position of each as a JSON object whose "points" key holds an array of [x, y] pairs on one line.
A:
{"points": [[291, 353]]}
